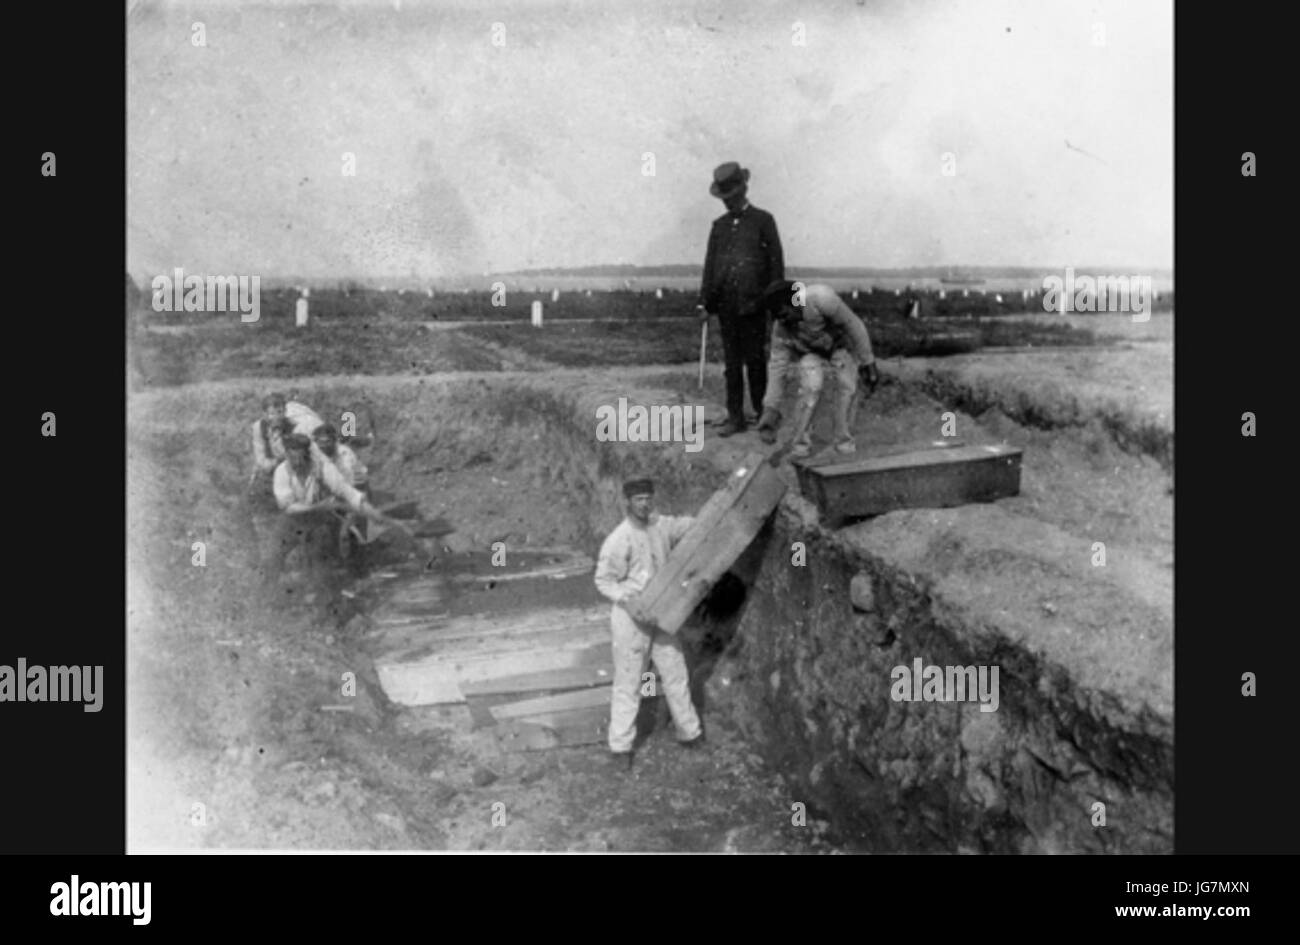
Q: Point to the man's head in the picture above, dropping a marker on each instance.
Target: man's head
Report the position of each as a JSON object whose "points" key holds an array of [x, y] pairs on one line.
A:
{"points": [[640, 495], [780, 301], [273, 408], [297, 450], [730, 185], [327, 439]]}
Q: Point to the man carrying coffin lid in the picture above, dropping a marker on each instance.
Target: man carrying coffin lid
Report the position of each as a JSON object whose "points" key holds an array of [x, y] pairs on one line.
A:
{"points": [[628, 560]]}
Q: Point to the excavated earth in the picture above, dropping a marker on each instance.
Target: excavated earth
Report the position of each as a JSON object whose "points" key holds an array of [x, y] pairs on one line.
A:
{"points": [[241, 735]]}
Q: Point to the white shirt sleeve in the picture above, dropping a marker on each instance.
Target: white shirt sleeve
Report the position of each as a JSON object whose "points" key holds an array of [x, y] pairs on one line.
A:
{"points": [[354, 471], [611, 567], [336, 484], [282, 487]]}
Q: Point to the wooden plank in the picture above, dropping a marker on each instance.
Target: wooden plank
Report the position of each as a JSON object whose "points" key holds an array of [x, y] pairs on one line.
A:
{"points": [[829, 457], [596, 715], [572, 728], [431, 651], [711, 546], [578, 699], [708, 518], [578, 566], [553, 627], [489, 622], [492, 624], [438, 681], [576, 677], [934, 478]]}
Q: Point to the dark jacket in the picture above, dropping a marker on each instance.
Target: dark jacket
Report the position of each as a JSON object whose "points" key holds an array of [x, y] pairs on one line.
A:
{"points": [[743, 258]]}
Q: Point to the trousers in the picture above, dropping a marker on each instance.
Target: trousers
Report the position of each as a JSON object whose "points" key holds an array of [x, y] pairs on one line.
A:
{"points": [[812, 371], [744, 349], [636, 645]]}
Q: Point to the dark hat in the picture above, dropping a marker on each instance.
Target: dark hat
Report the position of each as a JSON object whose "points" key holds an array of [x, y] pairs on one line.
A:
{"points": [[638, 487], [778, 295], [325, 429], [273, 400], [728, 180], [297, 441]]}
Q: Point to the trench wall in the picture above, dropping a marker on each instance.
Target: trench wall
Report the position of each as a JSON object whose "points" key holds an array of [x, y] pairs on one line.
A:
{"points": [[809, 672]]}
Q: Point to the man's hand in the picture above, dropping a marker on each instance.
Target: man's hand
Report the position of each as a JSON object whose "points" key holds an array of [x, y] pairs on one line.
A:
{"points": [[632, 604], [868, 376], [702, 313]]}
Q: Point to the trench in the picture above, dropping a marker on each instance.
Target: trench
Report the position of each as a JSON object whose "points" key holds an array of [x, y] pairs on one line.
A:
{"points": [[797, 659]]}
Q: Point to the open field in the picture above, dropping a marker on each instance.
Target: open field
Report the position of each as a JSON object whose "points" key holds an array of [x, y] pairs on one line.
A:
{"points": [[492, 426], [273, 349]]}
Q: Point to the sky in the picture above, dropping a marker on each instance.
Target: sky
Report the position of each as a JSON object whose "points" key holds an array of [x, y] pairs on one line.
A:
{"points": [[498, 136]]}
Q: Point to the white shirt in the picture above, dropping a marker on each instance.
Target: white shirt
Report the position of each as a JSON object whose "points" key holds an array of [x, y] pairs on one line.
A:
{"points": [[303, 419], [633, 552], [310, 490]]}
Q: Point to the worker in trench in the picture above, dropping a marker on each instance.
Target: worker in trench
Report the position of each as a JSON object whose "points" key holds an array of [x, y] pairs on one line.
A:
{"points": [[310, 491], [280, 418], [326, 440], [817, 332], [628, 560]]}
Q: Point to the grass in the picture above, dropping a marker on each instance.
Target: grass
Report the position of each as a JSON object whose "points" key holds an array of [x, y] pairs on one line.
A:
{"points": [[278, 350], [274, 348]]}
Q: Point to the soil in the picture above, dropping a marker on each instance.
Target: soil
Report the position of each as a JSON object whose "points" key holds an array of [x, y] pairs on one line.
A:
{"points": [[239, 736]]}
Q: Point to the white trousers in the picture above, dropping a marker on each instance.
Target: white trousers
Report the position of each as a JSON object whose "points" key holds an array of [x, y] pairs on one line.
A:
{"points": [[635, 646], [812, 370]]}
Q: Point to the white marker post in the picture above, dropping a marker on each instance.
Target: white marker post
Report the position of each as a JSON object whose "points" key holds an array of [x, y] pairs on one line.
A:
{"points": [[537, 314], [555, 295], [300, 311]]}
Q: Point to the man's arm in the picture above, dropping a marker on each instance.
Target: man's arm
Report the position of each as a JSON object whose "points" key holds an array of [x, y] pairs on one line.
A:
{"points": [[264, 461], [678, 526], [710, 264], [853, 329], [337, 484], [611, 568], [284, 491], [355, 470], [775, 256]]}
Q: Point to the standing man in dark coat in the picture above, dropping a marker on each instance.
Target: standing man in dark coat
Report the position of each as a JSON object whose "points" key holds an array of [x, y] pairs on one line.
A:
{"points": [[743, 259]]}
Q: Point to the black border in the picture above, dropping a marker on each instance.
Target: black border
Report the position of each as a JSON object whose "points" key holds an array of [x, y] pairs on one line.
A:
{"points": [[64, 786], [64, 770]]}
